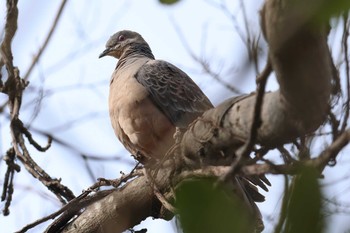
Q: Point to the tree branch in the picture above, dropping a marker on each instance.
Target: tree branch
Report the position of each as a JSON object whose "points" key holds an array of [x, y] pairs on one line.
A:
{"points": [[46, 42], [127, 206]]}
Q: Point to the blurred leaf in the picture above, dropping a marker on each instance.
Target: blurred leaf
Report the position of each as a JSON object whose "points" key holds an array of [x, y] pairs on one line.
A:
{"points": [[332, 8], [322, 10], [168, 2], [205, 209], [304, 212]]}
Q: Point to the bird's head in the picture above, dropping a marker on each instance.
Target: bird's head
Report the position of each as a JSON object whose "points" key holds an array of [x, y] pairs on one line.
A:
{"points": [[121, 42]]}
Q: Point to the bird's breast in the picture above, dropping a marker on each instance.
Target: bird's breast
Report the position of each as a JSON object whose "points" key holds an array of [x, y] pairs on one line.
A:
{"points": [[137, 122]]}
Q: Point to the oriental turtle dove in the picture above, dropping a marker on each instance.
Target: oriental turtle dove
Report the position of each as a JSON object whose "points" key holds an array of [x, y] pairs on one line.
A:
{"points": [[149, 98]]}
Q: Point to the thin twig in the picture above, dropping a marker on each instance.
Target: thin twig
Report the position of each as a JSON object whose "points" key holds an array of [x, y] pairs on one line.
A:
{"points": [[19, 124], [75, 150], [256, 121], [62, 192], [332, 151], [205, 65], [250, 44], [13, 88], [46, 42], [69, 209], [269, 168], [347, 67], [7, 192], [158, 193], [82, 201], [117, 182], [334, 122], [224, 8], [247, 39], [10, 30], [287, 158]]}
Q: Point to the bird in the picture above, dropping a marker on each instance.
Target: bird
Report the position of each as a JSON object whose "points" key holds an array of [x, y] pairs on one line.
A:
{"points": [[149, 98]]}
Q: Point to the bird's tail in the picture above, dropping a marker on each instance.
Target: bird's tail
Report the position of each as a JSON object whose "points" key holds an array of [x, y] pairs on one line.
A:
{"points": [[246, 189]]}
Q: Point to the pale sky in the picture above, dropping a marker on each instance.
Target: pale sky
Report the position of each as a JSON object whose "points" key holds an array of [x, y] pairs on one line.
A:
{"points": [[75, 85]]}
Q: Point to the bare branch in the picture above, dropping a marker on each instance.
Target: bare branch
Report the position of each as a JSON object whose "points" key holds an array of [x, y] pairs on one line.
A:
{"points": [[130, 201], [13, 89], [332, 151], [250, 41], [10, 30], [81, 201], [245, 151], [46, 42], [18, 124], [7, 191], [347, 69], [205, 65], [224, 8]]}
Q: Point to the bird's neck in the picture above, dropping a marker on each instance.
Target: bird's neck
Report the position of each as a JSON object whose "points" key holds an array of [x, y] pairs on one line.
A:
{"points": [[133, 51]]}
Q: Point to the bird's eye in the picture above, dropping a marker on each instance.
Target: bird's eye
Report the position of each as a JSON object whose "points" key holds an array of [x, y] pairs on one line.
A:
{"points": [[121, 38]]}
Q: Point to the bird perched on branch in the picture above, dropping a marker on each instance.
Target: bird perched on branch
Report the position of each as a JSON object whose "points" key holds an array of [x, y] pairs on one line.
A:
{"points": [[149, 98]]}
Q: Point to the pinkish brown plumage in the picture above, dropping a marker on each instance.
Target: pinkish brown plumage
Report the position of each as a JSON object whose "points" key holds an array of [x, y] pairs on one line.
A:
{"points": [[149, 98]]}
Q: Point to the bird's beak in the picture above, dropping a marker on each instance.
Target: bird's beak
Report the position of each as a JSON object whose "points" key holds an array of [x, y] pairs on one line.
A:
{"points": [[105, 52]]}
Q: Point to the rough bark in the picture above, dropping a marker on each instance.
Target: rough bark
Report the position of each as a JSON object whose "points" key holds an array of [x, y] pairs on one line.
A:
{"points": [[300, 58], [118, 211]]}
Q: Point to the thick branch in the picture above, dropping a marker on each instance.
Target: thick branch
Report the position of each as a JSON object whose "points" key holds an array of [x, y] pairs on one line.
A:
{"points": [[122, 209], [302, 64], [131, 204]]}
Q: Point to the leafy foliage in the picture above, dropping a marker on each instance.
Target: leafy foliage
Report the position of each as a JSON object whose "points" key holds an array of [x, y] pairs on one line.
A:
{"points": [[333, 8], [304, 211], [168, 2], [204, 208]]}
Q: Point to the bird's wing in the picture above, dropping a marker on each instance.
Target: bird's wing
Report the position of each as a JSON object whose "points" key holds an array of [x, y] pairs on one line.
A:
{"points": [[173, 91]]}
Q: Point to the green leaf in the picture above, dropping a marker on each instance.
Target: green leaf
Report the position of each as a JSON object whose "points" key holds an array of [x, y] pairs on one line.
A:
{"points": [[206, 209], [332, 8], [304, 211], [168, 2]]}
